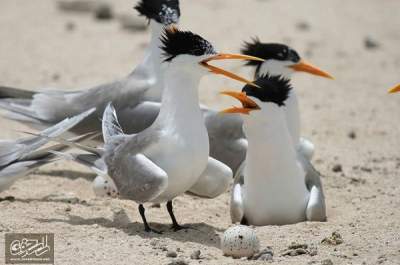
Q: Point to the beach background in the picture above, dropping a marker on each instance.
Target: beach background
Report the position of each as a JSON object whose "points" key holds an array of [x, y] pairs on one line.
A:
{"points": [[352, 121]]}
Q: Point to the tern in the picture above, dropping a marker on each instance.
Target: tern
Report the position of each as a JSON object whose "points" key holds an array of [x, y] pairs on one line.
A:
{"points": [[131, 93], [20, 157], [166, 159], [274, 189], [227, 141]]}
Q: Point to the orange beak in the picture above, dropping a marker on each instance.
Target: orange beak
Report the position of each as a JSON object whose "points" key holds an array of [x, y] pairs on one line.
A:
{"points": [[395, 89], [247, 104], [227, 56], [303, 66]]}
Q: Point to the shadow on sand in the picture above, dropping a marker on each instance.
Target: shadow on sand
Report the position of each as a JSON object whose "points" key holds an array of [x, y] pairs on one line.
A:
{"points": [[197, 233]]}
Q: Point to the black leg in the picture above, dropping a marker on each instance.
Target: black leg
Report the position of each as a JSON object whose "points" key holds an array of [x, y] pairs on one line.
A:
{"points": [[147, 228], [244, 221], [175, 225]]}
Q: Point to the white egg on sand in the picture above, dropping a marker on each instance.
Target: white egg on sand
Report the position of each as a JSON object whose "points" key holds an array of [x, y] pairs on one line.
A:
{"points": [[240, 241]]}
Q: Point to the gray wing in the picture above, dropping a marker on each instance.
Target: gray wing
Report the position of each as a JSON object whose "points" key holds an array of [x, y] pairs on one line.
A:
{"points": [[227, 140], [110, 124], [316, 208], [11, 173], [16, 150], [138, 178], [135, 175], [49, 107], [136, 119]]}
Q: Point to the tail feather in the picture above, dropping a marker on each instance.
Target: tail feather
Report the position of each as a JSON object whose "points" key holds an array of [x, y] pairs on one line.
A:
{"points": [[11, 92], [110, 124], [11, 151]]}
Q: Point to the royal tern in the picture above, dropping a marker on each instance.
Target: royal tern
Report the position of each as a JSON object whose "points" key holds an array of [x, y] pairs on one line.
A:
{"points": [[274, 189], [19, 157], [168, 158], [227, 141], [145, 82]]}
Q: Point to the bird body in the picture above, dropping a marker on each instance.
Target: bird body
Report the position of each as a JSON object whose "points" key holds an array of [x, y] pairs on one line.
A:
{"points": [[274, 191], [276, 184]]}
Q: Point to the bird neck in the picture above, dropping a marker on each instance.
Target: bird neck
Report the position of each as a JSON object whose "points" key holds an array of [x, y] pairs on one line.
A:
{"points": [[292, 111], [270, 153], [180, 99], [150, 67]]}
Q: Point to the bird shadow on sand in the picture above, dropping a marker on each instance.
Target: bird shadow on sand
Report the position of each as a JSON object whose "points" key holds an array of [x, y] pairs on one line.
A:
{"points": [[69, 174], [200, 233]]}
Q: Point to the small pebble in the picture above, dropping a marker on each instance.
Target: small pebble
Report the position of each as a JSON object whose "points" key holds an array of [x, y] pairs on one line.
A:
{"points": [[303, 26], [337, 168], [334, 239], [104, 12], [178, 262], [171, 254], [195, 254], [77, 5], [68, 209], [70, 26], [265, 255], [352, 135], [326, 262], [370, 43]]}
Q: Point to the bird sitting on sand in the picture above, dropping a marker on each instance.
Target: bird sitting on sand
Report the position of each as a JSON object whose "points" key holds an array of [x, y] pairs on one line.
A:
{"points": [[272, 188]]}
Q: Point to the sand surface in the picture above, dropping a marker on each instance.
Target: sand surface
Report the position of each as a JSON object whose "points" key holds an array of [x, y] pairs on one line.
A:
{"points": [[37, 50]]}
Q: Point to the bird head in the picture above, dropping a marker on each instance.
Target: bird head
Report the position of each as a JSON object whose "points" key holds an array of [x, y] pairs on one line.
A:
{"points": [[191, 52], [280, 59], [165, 12], [269, 90]]}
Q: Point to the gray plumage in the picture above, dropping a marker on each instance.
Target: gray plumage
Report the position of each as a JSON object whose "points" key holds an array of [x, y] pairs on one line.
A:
{"points": [[19, 157]]}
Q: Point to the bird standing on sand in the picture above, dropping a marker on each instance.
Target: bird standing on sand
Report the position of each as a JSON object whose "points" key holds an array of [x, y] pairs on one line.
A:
{"points": [[166, 159], [275, 188]]}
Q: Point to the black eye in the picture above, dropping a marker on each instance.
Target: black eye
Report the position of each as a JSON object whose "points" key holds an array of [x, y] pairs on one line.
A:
{"points": [[283, 54]]}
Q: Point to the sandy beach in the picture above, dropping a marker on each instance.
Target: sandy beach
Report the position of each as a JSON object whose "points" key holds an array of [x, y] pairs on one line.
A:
{"points": [[352, 121]]}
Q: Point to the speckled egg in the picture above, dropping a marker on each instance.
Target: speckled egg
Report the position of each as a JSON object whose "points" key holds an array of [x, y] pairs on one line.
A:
{"points": [[240, 241]]}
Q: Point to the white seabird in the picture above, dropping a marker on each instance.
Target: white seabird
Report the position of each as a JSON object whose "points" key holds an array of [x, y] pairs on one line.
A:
{"points": [[272, 187]]}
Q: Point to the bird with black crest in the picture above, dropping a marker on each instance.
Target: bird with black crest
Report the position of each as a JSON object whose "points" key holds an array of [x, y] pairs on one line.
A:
{"points": [[273, 188], [166, 159]]}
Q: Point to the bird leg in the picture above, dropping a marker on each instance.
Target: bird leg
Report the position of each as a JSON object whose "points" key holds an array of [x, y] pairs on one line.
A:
{"points": [[147, 228], [175, 225]]}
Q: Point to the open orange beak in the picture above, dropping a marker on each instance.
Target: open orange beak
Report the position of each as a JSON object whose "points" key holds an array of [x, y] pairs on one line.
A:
{"points": [[247, 104], [227, 56], [303, 66], [395, 89]]}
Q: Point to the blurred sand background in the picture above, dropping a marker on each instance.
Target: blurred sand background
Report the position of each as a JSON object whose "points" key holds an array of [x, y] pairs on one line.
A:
{"points": [[352, 120]]}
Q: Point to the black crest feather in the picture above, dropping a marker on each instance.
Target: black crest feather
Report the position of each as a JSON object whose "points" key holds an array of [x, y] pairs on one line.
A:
{"points": [[163, 11], [276, 51], [274, 89], [176, 42]]}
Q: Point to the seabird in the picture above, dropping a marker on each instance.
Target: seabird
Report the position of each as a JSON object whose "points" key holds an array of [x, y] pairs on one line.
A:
{"points": [[272, 188], [227, 141], [44, 108], [19, 157], [166, 159]]}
